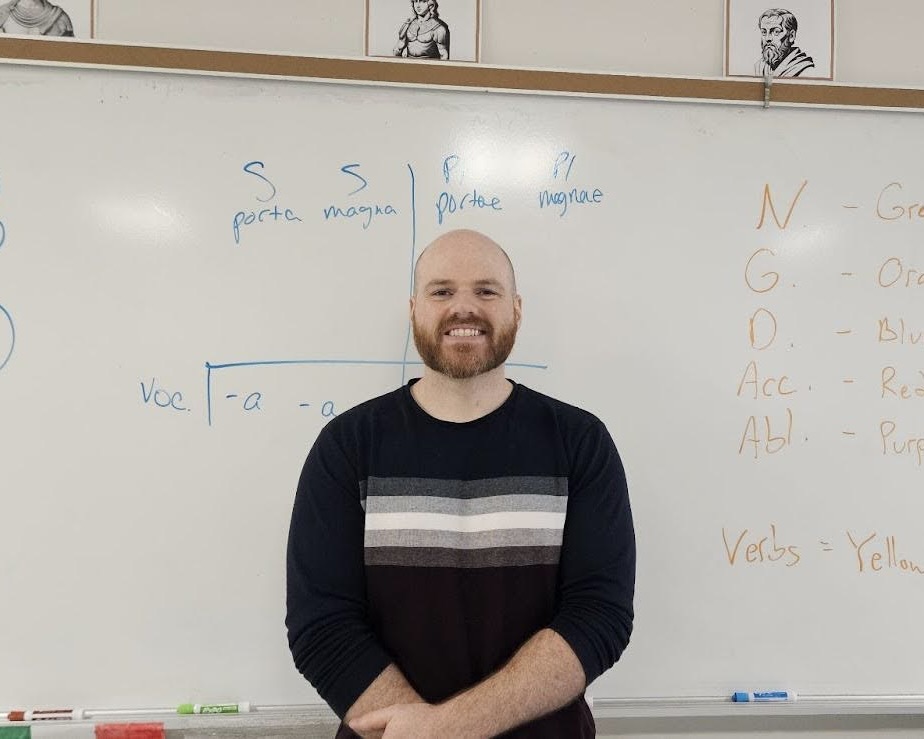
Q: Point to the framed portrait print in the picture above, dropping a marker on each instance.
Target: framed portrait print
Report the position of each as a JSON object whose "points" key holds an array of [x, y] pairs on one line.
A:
{"points": [[439, 30], [791, 41], [58, 19]]}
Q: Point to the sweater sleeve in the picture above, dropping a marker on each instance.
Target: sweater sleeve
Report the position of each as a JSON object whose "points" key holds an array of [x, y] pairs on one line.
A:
{"points": [[329, 634], [597, 567]]}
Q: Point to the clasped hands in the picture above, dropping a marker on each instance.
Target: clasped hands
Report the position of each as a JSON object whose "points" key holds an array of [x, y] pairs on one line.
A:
{"points": [[411, 721]]}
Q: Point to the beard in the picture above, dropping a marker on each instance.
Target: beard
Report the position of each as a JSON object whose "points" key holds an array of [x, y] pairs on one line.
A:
{"points": [[773, 55], [464, 360]]}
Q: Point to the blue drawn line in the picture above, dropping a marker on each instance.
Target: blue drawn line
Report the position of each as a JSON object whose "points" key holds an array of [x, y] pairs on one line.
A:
{"points": [[208, 391], [407, 340], [233, 395], [329, 362], [13, 341], [278, 362], [358, 362]]}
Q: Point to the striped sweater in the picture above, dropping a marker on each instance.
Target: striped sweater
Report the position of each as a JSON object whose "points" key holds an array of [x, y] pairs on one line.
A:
{"points": [[442, 547]]}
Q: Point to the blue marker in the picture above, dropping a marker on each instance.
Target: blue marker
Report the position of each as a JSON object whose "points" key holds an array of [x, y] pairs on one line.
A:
{"points": [[764, 696]]}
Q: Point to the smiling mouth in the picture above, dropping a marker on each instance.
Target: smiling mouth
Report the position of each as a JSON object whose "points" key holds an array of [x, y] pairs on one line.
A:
{"points": [[464, 333]]}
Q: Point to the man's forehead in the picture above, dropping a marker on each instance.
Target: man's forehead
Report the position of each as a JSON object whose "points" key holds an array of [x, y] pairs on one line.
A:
{"points": [[468, 256], [772, 21], [437, 280], [447, 256], [469, 269], [464, 254]]}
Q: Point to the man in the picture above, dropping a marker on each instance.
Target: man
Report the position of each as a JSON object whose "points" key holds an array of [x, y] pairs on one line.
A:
{"points": [[779, 54], [423, 36], [461, 555], [34, 17]]}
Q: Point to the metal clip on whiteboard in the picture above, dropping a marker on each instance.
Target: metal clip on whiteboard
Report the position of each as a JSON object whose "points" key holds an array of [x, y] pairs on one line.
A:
{"points": [[768, 80]]}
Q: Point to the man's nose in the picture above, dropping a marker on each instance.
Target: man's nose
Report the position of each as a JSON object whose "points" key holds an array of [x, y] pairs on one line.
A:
{"points": [[463, 305], [462, 311]]}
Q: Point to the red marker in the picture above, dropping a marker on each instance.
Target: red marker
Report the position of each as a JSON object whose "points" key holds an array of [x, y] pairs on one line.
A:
{"points": [[51, 714]]}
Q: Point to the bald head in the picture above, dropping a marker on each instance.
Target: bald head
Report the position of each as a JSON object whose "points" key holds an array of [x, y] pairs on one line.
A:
{"points": [[468, 246]]}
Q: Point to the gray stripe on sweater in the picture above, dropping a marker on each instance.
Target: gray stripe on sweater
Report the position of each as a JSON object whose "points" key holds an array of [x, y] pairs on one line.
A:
{"points": [[463, 489], [418, 538], [467, 506], [461, 558]]}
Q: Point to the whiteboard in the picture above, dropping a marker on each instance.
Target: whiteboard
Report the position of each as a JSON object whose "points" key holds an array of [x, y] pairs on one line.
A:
{"points": [[196, 272]]}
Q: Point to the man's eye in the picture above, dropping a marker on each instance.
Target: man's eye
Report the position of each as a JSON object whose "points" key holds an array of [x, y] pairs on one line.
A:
{"points": [[440, 293], [486, 291]]}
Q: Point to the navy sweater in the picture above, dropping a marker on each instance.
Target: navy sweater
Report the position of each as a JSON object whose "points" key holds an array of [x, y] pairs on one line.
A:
{"points": [[442, 547]]}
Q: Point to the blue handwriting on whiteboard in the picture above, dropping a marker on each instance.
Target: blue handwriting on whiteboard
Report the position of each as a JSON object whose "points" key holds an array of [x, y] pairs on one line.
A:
{"points": [[449, 203], [328, 409], [251, 402], [248, 218], [452, 167], [162, 398], [261, 215], [366, 212], [564, 197], [249, 169], [254, 402], [348, 170]]}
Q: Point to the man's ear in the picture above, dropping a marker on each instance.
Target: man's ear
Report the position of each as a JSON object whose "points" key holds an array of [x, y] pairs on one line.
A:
{"points": [[518, 310]]}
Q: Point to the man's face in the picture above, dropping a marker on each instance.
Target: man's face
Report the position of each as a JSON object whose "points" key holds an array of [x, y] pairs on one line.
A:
{"points": [[775, 41], [464, 311]]}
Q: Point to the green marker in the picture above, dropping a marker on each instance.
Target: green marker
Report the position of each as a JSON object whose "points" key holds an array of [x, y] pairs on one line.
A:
{"points": [[192, 708], [15, 732]]}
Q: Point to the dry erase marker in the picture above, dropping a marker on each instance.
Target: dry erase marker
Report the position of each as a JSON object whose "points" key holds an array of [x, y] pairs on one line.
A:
{"points": [[187, 708], [52, 714], [764, 696]]}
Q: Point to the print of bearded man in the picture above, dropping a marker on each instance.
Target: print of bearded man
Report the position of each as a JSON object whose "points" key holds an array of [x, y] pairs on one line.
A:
{"points": [[779, 54]]}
